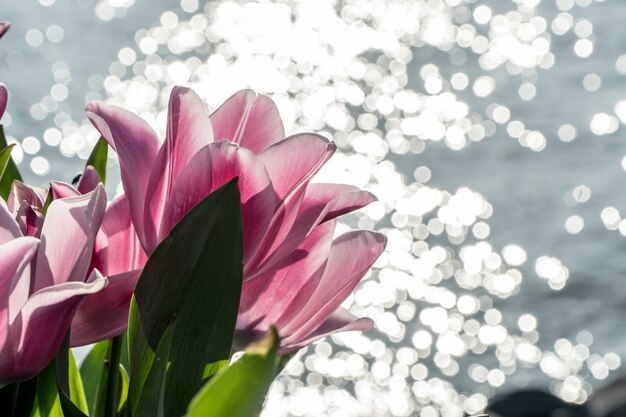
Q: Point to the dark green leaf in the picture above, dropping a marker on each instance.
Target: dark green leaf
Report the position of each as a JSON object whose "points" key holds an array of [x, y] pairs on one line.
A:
{"points": [[149, 402], [91, 372], [69, 408], [194, 278], [240, 389], [16, 400], [10, 173], [98, 158]]}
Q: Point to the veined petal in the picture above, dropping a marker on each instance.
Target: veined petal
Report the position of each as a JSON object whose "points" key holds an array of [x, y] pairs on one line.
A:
{"points": [[9, 229], [249, 119], [213, 166], [136, 145], [283, 291], [4, 93], [39, 329], [188, 130], [340, 321], [67, 238], [321, 202], [104, 314], [291, 164], [351, 255], [117, 247], [326, 201]]}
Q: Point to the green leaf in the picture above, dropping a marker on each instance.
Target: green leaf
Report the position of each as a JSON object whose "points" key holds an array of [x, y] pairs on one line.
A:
{"points": [[98, 158], [46, 204], [5, 157], [240, 389], [10, 173], [125, 359], [48, 403], [69, 408], [77, 392], [194, 278], [91, 372], [16, 400], [123, 386], [149, 402]]}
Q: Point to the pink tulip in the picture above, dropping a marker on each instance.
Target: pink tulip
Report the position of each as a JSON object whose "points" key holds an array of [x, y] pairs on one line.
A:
{"points": [[281, 211], [43, 280], [4, 98], [4, 94], [118, 255], [4, 26]]}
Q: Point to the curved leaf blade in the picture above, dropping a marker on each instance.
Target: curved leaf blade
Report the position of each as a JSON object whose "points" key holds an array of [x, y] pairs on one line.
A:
{"points": [[10, 172], [98, 158], [91, 372], [240, 389]]}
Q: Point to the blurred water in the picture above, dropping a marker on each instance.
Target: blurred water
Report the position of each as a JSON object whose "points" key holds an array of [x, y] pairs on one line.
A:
{"points": [[527, 195]]}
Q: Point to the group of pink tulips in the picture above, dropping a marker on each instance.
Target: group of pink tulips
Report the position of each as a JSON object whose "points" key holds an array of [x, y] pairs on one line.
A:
{"points": [[219, 243]]}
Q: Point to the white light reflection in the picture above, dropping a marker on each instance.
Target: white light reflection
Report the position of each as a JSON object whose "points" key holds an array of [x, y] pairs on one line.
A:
{"points": [[438, 293]]}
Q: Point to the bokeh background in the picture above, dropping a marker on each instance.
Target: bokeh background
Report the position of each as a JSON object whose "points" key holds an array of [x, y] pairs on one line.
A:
{"points": [[492, 132]]}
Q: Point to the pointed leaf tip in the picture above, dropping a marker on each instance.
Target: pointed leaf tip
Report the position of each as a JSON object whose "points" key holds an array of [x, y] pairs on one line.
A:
{"points": [[266, 345]]}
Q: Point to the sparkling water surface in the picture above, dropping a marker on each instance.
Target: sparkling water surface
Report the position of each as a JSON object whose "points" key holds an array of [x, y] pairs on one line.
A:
{"points": [[491, 132]]}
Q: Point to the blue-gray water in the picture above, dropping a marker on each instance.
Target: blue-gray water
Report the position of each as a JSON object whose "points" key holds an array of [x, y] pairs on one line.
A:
{"points": [[531, 192]]}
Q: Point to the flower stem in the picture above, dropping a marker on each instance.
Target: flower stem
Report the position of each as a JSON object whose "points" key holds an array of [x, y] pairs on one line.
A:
{"points": [[112, 390]]}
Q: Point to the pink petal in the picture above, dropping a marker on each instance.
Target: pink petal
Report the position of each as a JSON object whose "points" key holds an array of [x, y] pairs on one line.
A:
{"points": [[39, 329], [321, 202], [249, 119], [291, 164], [63, 190], [9, 229], [67, 238], [340, 321], [117, 248], [22, 194], [30, 221], [89, 180], [351, 255], [213, 166], [14, 278], [188, 130], [4, 93], [104, 314], [327, 201], [285, 289], [4, 26], [136, 145]]}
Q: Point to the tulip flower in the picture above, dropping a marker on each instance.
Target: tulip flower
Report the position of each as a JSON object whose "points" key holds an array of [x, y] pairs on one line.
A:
{"points": [[281, 211], [118, 255], [4, 26], [4, 95], [302, 296], [4, 98], [43, 280]]}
